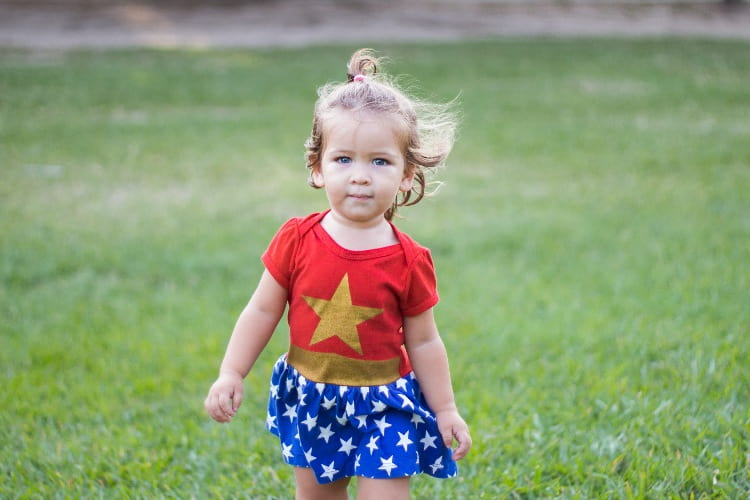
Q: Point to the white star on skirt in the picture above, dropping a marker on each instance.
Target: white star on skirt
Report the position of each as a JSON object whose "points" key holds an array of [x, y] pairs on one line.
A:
{"points": [[404, 440], [387, 464], [405, 403], [326, 433], [437, 465], [270, 421], [373, 444], [310, 421], [362, 419], [329, 471], [382, 425], [428, 441], [347, 446], [291, 412], [378, 406]]}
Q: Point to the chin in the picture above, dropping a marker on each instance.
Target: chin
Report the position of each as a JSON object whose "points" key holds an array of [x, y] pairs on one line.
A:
{"points": [[356, 216]]}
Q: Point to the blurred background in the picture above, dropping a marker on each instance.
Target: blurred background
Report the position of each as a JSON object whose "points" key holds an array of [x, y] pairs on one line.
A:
{"points": [[115, 23]]}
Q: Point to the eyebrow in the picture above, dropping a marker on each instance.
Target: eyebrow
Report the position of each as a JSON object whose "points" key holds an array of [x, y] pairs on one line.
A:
{"points": [[374, 153]]}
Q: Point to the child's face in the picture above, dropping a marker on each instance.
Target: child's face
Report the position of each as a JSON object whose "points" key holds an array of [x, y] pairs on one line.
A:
{"points": [[362, 165]]}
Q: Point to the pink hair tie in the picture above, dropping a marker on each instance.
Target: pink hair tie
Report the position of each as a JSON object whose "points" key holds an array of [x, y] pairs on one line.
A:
{"points": [[359, 78]]}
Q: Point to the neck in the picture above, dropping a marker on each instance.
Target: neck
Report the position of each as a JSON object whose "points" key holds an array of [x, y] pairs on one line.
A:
{"points": [[354, 236]]}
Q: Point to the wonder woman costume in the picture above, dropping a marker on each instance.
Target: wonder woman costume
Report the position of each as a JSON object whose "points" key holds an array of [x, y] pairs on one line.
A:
{"points": [[343, 400]]}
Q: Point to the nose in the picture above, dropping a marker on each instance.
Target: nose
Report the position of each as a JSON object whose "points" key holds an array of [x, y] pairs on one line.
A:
{"points": [[359, 174]]}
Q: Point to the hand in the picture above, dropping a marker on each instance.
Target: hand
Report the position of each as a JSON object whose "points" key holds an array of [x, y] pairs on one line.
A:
{"points": [[451, 427], [225, 397]]}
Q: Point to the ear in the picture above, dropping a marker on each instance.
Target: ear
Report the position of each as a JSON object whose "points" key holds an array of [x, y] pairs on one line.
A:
{"points": [[408, 180], [317, 177]]}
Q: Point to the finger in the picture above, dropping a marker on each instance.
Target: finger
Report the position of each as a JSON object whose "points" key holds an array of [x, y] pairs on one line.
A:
{"points": [[213, 408], [225, 403], [236, 400], [447, 436], [464, 445], [209, 405], [459, 452], [216, 412]]}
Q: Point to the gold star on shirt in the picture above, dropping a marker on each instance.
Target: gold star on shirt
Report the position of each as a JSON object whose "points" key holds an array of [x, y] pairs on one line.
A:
{"points": [[339, 317]]}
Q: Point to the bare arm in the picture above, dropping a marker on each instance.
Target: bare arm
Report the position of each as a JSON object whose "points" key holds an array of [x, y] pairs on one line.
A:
{"points": [[251, 334], [430, 363]]}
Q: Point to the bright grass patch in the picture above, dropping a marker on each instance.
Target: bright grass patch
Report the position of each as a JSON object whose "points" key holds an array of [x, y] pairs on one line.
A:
{"points": [[592, 243]]}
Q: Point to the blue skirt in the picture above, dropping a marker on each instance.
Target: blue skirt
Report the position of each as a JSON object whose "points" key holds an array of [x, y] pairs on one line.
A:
{"points": [[381, 432]]}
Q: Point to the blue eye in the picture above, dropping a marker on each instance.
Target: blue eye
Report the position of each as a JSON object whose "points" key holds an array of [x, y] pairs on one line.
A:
{"points": [[343, 160], [379, 162]]}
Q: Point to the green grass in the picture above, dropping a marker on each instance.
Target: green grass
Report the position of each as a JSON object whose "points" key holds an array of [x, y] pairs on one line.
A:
{"points": [[592, 243]]}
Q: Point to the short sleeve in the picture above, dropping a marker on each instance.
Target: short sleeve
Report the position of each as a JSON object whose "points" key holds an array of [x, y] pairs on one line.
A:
{"points": [[279, 256], [421, 293]]}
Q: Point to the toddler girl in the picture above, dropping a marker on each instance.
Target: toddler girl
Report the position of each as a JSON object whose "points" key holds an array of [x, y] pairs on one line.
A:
{"points": [[364, 389]]}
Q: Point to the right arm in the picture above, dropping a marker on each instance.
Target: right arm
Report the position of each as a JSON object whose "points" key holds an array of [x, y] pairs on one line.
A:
{"points": [[252, 332]]}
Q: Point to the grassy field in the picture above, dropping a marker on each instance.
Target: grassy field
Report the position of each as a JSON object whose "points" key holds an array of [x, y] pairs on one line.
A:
{"points": [[592, 243]]}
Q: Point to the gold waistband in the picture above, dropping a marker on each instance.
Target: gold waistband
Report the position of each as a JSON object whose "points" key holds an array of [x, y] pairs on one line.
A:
{"points": [[331, 368]]}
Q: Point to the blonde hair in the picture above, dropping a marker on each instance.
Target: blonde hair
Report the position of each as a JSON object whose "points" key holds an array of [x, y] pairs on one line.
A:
{"points": [[429, 128]]}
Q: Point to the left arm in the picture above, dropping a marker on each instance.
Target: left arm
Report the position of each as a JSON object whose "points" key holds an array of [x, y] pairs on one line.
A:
{"points": [[430, 363]]}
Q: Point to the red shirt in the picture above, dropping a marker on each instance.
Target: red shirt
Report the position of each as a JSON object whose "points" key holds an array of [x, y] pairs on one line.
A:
{"points": [[349, 303]]}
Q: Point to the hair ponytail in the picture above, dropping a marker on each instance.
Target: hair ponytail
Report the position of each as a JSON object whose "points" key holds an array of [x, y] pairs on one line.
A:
{"points": [[363, 62]]}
